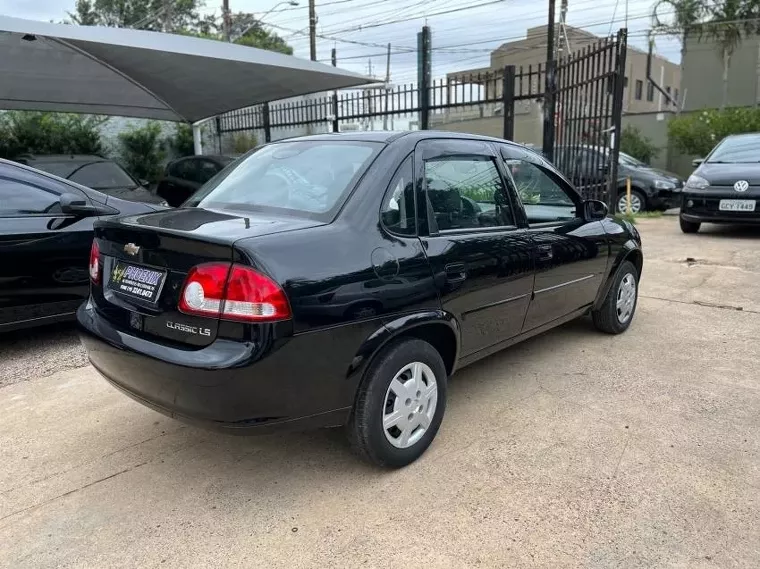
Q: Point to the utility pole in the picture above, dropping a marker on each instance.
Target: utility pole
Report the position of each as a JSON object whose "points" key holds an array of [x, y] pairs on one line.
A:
{"points": [[549, 87], [387, 87], [312, 29], [226, 19]]}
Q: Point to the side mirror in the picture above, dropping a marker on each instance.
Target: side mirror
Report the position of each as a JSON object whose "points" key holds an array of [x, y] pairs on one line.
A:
{"points": [[76, 205], [595, 210], [697, 162]]}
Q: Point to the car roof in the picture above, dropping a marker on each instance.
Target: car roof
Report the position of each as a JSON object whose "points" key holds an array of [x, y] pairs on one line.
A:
{"points": [[391, 136], [43, 158]]}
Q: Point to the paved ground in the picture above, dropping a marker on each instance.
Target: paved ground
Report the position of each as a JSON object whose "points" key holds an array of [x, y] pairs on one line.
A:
{"points": [[571, 450]]}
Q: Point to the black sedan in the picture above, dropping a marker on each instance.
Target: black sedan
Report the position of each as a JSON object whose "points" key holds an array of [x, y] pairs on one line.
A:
{"points": [[238, 311], [725, 188], [45, 237], [94, 172], [184, 176]]}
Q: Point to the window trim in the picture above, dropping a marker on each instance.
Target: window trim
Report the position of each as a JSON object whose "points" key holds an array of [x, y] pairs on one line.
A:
{"points": [[410, 157], [423, 154]]}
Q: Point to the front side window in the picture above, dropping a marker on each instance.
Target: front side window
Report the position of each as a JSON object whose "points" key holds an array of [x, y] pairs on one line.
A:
{"points": [[398, 211], [544, 199], [308, 177], [102, 176], [206, 171], [18, 199], [466, 192]]}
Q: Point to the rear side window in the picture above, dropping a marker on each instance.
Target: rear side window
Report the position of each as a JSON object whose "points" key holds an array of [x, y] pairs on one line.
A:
{"points": [[466, 192], [398, 206], [310, 177], [18, 199]]}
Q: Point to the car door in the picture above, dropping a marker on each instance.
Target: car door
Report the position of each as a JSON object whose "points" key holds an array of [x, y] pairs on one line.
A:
{"points": [[482, 260], [571, 253], [44, 253]]}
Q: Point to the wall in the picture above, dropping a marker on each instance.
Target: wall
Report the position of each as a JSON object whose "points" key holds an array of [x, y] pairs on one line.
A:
{"points": [[702, 82], [655, 127]]}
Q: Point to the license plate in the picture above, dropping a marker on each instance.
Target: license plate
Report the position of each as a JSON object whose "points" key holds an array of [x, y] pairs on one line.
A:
{"points": [[736, 205], [136, 282]]}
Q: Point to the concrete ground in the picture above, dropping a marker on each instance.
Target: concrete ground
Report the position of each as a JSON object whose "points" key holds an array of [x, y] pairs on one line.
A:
{"points": [[573, 449]]}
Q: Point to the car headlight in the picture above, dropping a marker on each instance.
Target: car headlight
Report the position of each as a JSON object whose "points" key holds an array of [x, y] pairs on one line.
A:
{"points": [[664, 185], [696, 183]]}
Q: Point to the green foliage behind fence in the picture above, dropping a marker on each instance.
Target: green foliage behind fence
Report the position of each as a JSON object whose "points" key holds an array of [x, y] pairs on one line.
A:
{"points": [[24, 132], [697, 133]]}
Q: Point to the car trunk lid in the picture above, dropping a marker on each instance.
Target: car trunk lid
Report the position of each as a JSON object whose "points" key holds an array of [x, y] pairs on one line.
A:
{"points": [[146, 259]]}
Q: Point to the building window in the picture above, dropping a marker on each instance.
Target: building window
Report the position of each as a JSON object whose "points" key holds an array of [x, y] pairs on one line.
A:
{"points": [[625, 82], [650, 91], [675, 95], [639, 89]]}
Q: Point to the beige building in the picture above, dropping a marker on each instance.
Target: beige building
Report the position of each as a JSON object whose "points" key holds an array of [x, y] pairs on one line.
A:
{"points": [[639, 95]]}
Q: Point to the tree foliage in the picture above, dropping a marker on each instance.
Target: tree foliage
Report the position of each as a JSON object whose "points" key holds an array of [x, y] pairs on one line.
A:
{"points": [[142, 151], [179, 16], [181, 141], [23, 132], [635, 144], [697, 133]]}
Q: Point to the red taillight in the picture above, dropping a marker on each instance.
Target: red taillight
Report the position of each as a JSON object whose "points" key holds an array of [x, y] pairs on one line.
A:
{"points": [[233, 293], [95, 263]]}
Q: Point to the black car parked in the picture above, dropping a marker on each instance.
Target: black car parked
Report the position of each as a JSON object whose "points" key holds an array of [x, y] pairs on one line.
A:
{"points": [[236, 311], [651, 189], [45, 240], [94, 172], [725, 188], [184, 176]]}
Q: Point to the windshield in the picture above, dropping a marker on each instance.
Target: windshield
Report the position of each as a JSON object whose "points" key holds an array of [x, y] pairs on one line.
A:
{"points": [[735, 150], [310, 177]]}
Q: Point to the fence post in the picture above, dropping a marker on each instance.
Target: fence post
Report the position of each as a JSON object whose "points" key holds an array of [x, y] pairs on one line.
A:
{"points": [[423, 45], [335, 122], [267, 125], [617, 116], [508, 102]]}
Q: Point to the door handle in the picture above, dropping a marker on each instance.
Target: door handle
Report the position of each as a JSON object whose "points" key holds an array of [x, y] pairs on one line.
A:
{"points": [[545, 252], [455, 272]]}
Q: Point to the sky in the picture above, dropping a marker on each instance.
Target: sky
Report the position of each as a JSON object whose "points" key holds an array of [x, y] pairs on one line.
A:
{"points": [[462, 38]]}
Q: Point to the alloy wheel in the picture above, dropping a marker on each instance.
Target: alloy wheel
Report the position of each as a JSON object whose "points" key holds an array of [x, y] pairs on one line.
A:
{"points": [[636, 205]]}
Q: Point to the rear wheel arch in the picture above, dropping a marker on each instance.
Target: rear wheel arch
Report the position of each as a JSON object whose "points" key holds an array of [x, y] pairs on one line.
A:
{"points": [[630, 252]]}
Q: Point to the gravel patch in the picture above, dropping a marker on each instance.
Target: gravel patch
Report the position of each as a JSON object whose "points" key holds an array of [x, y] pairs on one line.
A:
{"points": [[38, 352]]}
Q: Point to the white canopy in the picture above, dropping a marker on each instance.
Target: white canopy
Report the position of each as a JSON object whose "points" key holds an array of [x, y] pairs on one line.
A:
{"points": [[115, 71]]}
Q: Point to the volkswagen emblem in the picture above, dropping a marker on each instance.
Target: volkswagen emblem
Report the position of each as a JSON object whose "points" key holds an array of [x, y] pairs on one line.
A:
{"points": [[741, 186], [132, 249]]}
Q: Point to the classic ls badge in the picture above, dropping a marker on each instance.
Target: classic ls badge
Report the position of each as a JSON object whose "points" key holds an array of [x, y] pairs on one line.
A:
{"points": [[131, 249]]}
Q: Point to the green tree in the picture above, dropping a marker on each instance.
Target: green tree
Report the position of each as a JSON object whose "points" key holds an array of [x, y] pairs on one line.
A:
{"points": [[156, 15], [26, 132], [635, 144], [181, 142], [142, 151], [697, 133]]}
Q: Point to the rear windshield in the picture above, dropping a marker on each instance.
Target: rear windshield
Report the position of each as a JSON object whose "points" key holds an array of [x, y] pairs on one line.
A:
{"points": [[309, 177], [739, 149]]}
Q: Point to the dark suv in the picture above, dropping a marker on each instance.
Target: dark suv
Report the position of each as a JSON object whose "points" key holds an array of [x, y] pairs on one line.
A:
{"points": [[341, 279], [184, 176]]}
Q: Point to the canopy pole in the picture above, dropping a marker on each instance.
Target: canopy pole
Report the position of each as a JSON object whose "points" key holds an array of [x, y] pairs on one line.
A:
{"points": [[197, 141]]}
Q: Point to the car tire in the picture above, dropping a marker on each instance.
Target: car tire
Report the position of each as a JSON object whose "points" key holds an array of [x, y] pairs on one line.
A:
{"points": [[689, 226], [636, 196], [400, 404], [616, 313]]}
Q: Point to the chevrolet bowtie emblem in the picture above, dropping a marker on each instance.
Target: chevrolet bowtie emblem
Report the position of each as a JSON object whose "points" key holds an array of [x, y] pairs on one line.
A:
{"points": [[131, 249]]}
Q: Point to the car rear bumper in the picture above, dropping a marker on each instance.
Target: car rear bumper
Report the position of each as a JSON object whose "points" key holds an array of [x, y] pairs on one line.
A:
{"points": [[230, 386], [703, 207]]}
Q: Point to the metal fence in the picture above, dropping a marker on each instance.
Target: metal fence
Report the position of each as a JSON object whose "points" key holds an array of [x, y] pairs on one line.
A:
{"points": [[586, 92]]}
